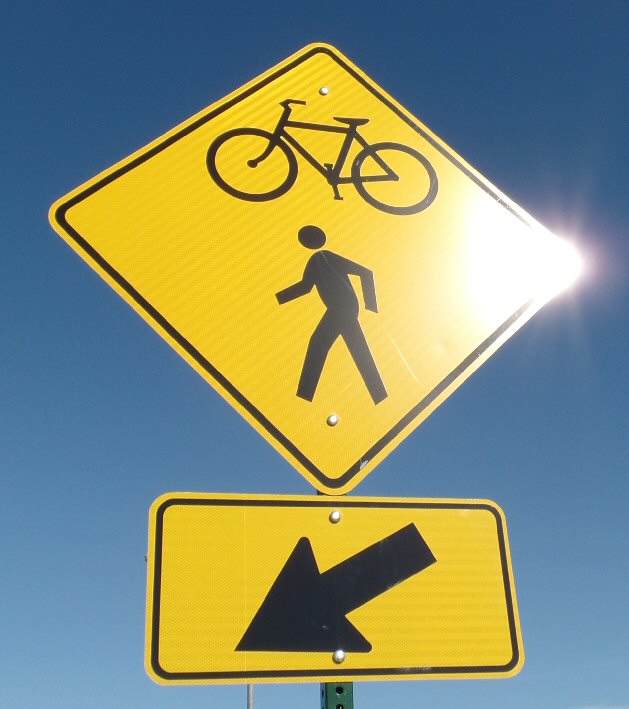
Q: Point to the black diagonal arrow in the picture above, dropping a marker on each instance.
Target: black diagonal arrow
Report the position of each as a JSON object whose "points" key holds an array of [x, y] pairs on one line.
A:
{"points": [[305, 609]]}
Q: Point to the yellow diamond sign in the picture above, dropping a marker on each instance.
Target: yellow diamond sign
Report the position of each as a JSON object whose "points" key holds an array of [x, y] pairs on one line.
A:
{"points": [[353, 588], [326, 262]]}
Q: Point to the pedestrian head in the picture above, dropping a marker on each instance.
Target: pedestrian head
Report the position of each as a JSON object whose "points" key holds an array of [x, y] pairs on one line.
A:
{"points": [[312, 237]]}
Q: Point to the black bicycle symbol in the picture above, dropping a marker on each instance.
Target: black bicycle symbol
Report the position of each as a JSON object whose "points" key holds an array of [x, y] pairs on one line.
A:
{"points": [[417, 193]]}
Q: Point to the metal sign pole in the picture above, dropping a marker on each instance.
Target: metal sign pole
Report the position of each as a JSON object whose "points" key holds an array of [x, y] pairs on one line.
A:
{"points": [[337, 695], [249, 696]]}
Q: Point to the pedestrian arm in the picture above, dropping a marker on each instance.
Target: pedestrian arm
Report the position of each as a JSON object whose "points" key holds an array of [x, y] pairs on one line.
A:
{"points": [[367, 283], [369, 291], [295, 291]]}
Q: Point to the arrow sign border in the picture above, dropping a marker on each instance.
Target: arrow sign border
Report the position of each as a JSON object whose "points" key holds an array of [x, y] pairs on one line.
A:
{"points": [[339, 673]]}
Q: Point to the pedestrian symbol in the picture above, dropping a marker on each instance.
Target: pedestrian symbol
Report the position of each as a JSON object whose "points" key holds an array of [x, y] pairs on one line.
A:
{"points": [[329, 274]]}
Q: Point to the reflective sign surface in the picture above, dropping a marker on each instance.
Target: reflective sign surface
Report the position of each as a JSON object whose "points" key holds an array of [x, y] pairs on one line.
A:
{"points": [[329, 265], [266, 588]]}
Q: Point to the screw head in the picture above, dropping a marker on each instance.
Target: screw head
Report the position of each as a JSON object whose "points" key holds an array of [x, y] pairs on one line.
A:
{"points": [[324, 90], [332, 419], [335, 517], [339, 656]]}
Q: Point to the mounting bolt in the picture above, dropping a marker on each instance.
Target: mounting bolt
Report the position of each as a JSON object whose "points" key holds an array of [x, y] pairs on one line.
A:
{"points": [[324, 90], [332, 419], [335, 517], [339, 656]]}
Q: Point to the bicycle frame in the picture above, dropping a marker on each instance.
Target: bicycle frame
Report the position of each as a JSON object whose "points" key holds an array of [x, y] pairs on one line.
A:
{"points": [[331, 171]]}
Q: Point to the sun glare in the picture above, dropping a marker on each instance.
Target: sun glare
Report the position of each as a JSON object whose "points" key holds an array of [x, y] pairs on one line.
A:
{"points": [[561, 269], [512, 262]]}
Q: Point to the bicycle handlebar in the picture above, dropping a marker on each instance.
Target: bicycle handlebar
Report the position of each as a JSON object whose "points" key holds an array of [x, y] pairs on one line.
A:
{"points": [[288, 101]]}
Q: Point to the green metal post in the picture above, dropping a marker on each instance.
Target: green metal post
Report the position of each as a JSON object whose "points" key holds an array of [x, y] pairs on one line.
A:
{"points": [[337, 695]]}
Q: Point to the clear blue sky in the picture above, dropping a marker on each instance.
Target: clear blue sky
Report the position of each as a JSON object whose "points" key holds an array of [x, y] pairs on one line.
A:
{"points": [[100, 416]]}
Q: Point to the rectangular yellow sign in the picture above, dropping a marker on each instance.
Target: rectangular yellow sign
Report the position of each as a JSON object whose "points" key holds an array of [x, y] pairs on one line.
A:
{"points": [[246, 588]]}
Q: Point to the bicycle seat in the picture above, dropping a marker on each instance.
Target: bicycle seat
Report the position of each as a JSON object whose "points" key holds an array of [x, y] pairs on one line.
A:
{"points": [[351, 121]]}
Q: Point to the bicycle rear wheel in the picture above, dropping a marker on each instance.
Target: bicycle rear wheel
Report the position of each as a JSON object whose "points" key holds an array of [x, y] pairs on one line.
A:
{"points": [[394, 178], [251, 164]]}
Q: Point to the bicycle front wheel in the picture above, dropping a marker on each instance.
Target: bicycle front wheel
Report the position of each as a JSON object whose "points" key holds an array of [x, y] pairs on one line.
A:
{"points": [[394, 178], [251, 164]]}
